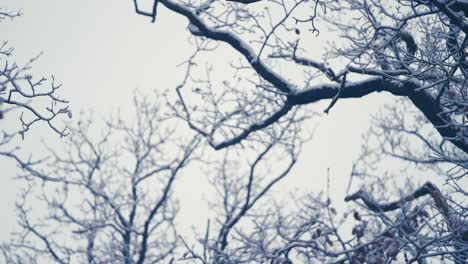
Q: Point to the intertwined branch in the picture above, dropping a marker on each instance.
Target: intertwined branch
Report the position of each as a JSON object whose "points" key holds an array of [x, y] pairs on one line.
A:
{"points": [[36, 99], [107, 197], [402, 72]]}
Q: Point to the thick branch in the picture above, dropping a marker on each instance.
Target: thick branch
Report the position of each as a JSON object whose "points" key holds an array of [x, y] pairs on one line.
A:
{"points": [[455, 17], [420, 98], [427, 189], [238, 44], [245, 2], [254, 127]]}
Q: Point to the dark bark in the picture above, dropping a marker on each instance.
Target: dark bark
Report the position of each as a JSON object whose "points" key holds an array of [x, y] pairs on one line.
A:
{"points": [[420, 98]]}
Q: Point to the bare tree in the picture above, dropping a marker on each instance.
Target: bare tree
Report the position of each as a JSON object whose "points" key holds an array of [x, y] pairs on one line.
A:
{"points": [[106, 198], [243, 179], [414, 50], [36, 99], [422, 228]]}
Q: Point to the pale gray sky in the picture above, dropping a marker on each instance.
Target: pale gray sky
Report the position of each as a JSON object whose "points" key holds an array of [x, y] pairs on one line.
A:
{"points": [[101, 50]]}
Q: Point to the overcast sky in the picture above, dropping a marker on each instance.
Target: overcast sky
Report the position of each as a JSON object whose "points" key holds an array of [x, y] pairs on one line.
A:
{"points": [[100, 50]]}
